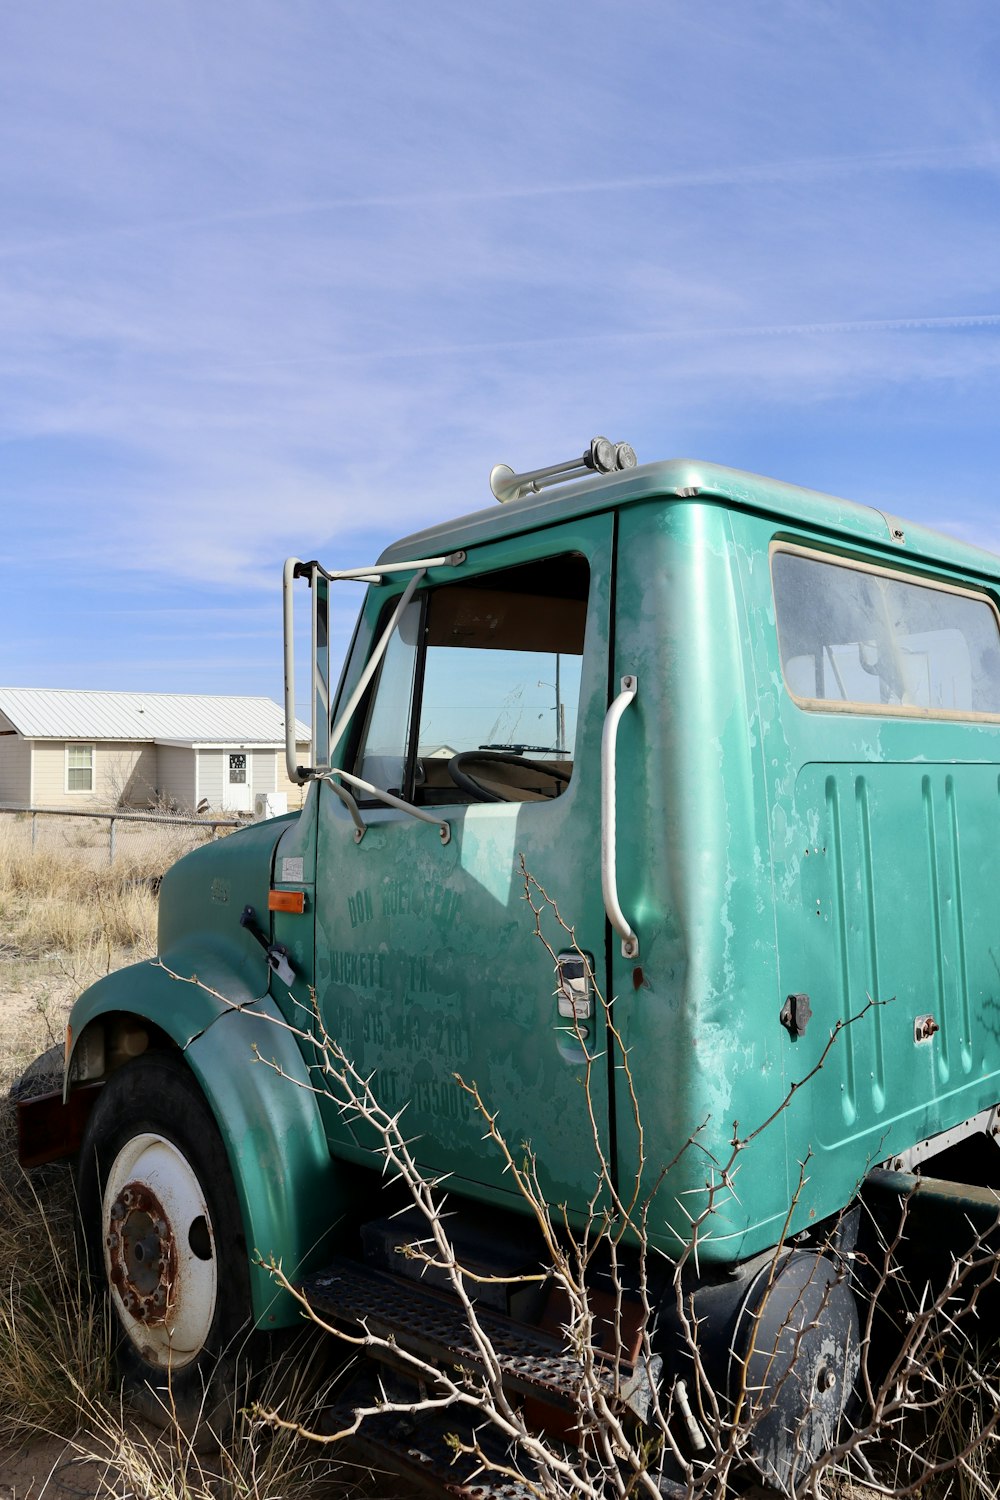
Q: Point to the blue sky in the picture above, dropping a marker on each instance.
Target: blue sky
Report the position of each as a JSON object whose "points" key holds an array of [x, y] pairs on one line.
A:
{"points": [[291, 277]]}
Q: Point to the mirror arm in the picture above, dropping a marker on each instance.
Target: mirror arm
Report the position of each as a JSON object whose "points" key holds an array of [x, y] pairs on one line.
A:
{"points": [[390, 799]]}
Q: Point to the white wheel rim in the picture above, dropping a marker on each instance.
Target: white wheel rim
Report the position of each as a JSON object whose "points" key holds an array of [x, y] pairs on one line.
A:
{"points": [[166, 1305]]}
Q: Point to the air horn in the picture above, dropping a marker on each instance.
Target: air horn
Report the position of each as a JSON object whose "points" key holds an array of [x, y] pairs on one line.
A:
{"points": [[602, 457]]}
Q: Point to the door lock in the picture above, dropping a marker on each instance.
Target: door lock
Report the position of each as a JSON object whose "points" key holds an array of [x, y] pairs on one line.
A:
{"points": [[575, 990]]}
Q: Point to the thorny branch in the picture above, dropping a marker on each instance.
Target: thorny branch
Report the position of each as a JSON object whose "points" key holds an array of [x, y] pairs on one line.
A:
{"points": [[694, 1432]]}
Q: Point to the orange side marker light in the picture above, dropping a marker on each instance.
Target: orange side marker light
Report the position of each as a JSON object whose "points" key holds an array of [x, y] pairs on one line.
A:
{"points": [[293, 901]]}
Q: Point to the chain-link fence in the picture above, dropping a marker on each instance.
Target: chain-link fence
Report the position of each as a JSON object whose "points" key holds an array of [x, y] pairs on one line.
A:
{"points": [[144, 840]]}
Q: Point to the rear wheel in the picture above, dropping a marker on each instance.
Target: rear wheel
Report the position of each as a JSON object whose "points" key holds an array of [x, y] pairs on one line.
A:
{"points": [[794, 1360], [162, 1227]]}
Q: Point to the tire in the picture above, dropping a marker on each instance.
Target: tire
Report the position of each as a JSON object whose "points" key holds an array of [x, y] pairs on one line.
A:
{"points": [[164, 1239], [795, 1352]]}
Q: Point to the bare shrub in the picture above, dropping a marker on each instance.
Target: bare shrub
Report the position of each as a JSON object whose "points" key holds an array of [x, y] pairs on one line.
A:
{"points": [[925, 1412], [897, 1433]]}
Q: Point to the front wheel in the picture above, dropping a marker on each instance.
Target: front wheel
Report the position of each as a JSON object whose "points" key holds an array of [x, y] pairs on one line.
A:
{"points": [[161, 1223]]}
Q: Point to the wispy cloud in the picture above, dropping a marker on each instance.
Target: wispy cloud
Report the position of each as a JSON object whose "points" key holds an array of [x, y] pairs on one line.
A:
{"points": [[293, 284], [974, 157]]}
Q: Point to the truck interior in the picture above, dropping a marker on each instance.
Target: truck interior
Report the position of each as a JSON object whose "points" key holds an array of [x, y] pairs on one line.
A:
{"points": [[477, 695]]}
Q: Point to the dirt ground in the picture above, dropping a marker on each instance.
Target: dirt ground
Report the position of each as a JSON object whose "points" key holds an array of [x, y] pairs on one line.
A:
{"points": [[49, 1468], [34, 1003]]}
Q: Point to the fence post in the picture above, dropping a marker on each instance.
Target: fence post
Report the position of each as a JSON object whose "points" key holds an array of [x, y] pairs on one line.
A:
{"points": [[111, 841], [34, 831]]}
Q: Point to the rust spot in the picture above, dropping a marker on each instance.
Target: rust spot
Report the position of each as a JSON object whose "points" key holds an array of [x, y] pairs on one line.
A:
{"points": [[924, 1027], [142, 1253], [638, 978]]}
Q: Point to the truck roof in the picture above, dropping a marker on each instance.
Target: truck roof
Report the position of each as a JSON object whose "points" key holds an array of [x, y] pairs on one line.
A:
{"points": [[690, 479]]}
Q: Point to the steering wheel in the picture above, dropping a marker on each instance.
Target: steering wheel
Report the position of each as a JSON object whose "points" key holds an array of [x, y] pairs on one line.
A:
{"points": [[467, 783]]}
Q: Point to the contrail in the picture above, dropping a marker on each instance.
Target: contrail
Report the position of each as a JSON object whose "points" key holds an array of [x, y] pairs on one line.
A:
{"points": [[653, 336], [984, 156]]}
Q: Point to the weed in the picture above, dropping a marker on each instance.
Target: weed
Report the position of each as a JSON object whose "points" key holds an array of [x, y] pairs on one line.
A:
{"points": [[54, 903], [54, 1340], [259, 1460]]}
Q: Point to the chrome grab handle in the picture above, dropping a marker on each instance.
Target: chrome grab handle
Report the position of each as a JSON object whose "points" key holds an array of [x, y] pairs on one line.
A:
{"points": [[609, 872]]}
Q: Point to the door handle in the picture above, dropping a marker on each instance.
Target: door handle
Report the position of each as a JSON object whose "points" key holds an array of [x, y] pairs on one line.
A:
{"points": [[609, 865]]}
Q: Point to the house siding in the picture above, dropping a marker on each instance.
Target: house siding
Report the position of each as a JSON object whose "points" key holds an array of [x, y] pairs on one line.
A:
{"points": [[15, 767], [269, 775], [127, 774], [177, 783], [123, 773], [262, 770], [210, 765], [293, 791], [33, 773]]}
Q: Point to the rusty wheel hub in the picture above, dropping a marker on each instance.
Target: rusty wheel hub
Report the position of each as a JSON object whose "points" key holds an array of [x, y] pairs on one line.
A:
{"points": [[142, 1253], [159, 1248]]}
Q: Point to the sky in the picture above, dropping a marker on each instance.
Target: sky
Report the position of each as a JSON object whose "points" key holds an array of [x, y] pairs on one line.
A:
{"points": [[287, 277]]}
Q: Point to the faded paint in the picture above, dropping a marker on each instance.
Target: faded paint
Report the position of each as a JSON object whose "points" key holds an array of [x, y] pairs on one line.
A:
{"points": [[764, 849]]}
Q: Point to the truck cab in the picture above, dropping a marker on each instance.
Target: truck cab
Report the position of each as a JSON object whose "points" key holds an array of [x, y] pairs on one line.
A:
{"points": [[651, 828]]}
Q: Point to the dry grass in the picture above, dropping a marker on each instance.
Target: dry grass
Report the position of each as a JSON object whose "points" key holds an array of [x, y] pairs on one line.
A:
{"points": [[53, 1339], [260, 1462], [52, 903], [64, 921], [62, 924]]}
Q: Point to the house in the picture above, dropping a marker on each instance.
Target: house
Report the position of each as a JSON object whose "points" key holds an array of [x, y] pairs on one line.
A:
{"points": [[83, 749]]}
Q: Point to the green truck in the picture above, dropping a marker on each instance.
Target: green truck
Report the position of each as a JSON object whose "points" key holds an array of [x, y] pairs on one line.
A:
{"points": [[747, 737]]}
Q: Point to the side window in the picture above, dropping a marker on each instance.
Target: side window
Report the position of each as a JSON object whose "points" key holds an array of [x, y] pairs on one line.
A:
{"points": [[383, 759], [865, 639], [477, 697]]}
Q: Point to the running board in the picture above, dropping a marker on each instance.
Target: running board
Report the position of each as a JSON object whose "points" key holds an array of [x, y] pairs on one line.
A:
{"points": [[431, 1324]]}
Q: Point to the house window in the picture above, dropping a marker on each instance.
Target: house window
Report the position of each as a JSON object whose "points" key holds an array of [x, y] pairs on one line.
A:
{"points": [[238, 769], [79, 768]]}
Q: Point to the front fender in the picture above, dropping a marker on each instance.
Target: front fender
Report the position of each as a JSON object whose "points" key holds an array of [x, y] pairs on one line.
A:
{"points": [[294, 1196], [179, 1007]]}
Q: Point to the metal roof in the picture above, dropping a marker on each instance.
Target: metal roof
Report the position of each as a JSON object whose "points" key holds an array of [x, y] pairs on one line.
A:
{"points": [[52, 714], [686, 479]]}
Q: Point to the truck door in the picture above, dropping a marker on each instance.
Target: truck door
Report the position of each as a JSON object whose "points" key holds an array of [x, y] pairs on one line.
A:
{"points": [[488, 709]]}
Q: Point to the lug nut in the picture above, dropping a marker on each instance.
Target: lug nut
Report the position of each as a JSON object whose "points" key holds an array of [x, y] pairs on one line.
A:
{"points": [[112, 1241]]}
